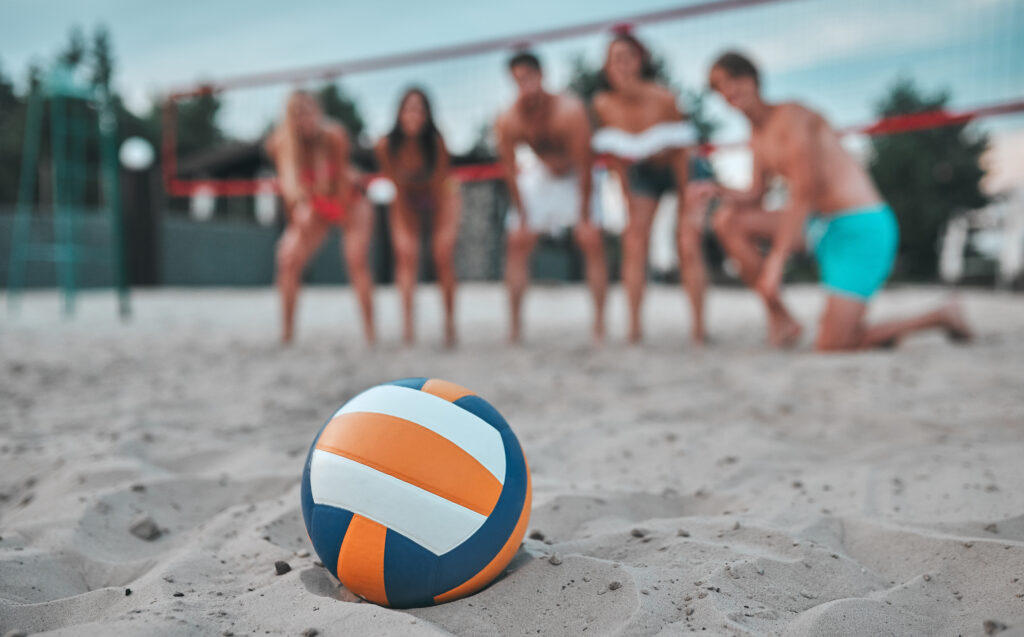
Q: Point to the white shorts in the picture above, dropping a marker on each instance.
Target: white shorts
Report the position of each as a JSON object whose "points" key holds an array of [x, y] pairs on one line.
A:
{"points": [[552, 201]]}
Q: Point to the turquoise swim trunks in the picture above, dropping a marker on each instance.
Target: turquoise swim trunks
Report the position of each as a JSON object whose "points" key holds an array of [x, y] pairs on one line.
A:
{"points": [[855, 249]]}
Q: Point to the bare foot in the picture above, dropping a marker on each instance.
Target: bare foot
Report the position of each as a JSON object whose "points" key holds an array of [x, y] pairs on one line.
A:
{"points": [[450, 341], [635, 335], [514, 332], [957, 329], [697, 336], [597, 338], [784, 333]]}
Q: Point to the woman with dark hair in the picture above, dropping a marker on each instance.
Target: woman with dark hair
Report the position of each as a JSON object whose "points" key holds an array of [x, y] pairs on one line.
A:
{"points": [[413, 156], [320, 189], [645, 135]]}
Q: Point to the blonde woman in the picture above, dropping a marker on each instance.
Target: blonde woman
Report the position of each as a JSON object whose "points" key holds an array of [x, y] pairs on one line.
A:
{"points": [[320, 190]]}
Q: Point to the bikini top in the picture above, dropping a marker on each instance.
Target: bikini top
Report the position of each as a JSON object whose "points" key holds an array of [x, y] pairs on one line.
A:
{"points": [[653, 140]]}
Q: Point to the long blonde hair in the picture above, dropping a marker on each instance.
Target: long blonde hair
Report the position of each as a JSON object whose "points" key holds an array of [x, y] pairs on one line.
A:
{"points": [[289, 152]]}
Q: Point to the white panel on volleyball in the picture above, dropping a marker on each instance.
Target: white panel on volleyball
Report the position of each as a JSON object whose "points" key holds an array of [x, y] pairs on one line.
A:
{"points": [[468, 431], [433, 522]]}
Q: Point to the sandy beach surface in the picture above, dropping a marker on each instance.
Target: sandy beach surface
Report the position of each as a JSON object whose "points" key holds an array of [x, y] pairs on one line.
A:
{"points": [[733, 490]]}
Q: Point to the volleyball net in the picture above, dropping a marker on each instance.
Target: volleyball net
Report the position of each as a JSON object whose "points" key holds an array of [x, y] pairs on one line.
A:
{"points": [[836, 56]]}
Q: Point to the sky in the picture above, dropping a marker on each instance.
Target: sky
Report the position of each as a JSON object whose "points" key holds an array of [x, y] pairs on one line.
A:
{"points": [[838, 56]]}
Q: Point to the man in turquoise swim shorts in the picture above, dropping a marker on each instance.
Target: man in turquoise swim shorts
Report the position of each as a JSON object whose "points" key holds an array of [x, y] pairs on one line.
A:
{"points": [[833, 209]]}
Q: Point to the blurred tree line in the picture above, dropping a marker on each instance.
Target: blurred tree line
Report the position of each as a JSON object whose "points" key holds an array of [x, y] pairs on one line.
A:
{"points": [[928, 176]]}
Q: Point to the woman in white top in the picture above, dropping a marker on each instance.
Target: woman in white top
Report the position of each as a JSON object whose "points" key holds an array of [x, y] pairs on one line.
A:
{"points": [[644, 135]]}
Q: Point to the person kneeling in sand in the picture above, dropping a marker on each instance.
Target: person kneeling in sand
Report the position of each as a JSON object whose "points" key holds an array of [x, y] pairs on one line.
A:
{"points": [[554, 196], [851, 231]]}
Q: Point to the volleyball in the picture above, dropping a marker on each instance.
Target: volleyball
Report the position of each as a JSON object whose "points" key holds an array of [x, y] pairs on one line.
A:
{"points": [[416, 492]]}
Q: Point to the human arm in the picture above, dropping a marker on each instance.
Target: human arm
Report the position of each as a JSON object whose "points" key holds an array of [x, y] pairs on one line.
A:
{"points": [[507, 159], [679, 158], [753, 195], [582, 157], [801, 157]]}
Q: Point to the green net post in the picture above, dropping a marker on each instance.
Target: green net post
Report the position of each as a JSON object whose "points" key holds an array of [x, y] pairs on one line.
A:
{"points": [[78, 113], [26, 199], [112, 197]]}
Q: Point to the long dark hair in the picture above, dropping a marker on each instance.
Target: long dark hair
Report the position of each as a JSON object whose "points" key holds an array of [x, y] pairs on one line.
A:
{"points": [[647, 69], [427, 138]]}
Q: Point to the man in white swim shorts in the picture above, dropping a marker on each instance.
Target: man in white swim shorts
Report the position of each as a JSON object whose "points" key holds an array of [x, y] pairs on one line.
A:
{"points": [[555, 195]]}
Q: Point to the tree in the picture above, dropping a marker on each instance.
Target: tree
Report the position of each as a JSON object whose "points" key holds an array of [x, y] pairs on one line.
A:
{"points": [[12, 121], [101, 58], [485, 147], [197, 124], [75, 50], [926, 176], [337, 105]]}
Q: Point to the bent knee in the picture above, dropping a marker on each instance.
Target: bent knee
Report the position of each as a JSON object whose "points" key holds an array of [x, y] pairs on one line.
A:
{"points": [[723, 223], [635, 236], [356, 256], [406, 257], [520, 240], [826, 343], [589, 242], [443, 258], [288, 256], [689, 239]]}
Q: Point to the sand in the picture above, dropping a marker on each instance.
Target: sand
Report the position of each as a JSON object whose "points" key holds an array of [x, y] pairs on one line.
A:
{"points": [[734, 490]]}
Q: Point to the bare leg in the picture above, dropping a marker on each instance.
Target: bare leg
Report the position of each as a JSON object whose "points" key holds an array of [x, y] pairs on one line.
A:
{"points": [[635, 241], [299, 242], [740, 229], [691, 259], [592, 244], [356, 241], [843, 328], [445, 232], [406, 244], [519, 247]]}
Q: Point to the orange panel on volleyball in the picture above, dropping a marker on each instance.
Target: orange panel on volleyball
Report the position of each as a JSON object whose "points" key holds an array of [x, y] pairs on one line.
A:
{"points": [[361, 559], [444, 389], [414, 454]]}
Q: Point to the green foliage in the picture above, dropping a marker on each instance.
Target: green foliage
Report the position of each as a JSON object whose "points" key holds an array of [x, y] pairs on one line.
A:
{"points": [[341, 108], [75, 50], [485, 147], [102, 59], [94, 61], [585, 80], [926, 176], [197, 124], [12, 121]]}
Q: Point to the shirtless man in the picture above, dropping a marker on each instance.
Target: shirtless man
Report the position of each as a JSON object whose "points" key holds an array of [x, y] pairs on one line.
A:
{"points": [[558, 194], [832, 200]]}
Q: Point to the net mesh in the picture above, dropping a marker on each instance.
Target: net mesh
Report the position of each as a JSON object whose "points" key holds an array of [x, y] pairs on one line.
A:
{"points": [[837, 56]]}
